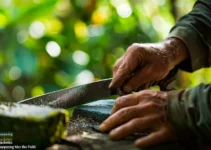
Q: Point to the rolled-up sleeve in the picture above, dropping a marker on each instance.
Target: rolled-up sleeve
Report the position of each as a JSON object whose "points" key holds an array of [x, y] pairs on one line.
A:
{"points": [[189, 111], [194, 29]]}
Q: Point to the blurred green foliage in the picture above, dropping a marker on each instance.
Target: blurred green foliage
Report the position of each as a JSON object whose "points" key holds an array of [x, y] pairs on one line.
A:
{"points": [[47, 45]]}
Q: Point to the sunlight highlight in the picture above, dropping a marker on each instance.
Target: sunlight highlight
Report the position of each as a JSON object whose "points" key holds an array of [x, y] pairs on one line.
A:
{"points": [[53, 49], [159, 2], [37, 30], [84, 77], [160, 25], [124, 10], [80, 57], [95, 30], [15, 73]]}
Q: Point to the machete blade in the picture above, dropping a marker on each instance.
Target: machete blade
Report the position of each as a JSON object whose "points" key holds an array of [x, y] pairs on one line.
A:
{"points": [[74, 96]]}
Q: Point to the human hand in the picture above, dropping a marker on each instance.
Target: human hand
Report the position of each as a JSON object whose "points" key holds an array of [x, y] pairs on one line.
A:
{"points": [[142, 112], [145, 63]]}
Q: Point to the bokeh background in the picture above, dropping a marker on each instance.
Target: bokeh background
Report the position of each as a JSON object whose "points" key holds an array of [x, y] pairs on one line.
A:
{"points": [[46, 45]]}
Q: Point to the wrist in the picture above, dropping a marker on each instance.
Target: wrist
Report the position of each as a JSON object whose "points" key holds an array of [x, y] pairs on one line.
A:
{"points": [[177, 51]]}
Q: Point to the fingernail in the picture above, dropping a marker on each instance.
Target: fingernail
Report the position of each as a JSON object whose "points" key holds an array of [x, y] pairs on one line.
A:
{"points": [[127, 88], [138, 143], [102, 127], [111, 85], [112, 134]]}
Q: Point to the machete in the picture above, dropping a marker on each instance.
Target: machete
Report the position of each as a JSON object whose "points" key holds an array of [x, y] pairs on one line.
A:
{"points": [[74, 96], [71, 97]]}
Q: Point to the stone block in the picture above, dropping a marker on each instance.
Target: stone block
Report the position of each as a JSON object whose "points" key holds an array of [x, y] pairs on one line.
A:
{"points": [[98, 110]]}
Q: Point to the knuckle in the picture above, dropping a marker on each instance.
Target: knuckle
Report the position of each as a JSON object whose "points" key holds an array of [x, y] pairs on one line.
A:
{"points": [[150, 94], [118, 102], [140, 93], [143, 93], [135, 44], [123, 66], [115, 67], [125, 112], [133, 48], [121, 101], [155, 94], [152, 105], [136, 124], [118, 64]]}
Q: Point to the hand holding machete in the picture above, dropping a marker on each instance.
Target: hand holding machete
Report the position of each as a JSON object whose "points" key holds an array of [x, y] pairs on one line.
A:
{"points": [[145, 63]]}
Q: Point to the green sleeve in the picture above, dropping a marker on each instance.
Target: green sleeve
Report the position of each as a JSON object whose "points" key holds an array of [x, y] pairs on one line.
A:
{"points": [[189, 111], [194, 29]]}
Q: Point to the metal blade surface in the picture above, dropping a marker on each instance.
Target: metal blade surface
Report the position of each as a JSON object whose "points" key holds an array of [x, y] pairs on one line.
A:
{"points": [[71, 97]]}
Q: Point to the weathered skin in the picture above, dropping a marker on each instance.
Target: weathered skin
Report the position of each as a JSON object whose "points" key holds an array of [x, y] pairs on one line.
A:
{"points": [[141, 112], [144, 111], [144, 63]]}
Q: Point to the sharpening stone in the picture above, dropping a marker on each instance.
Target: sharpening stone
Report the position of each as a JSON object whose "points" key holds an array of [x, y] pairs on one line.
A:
{"points": [[98, 110]]}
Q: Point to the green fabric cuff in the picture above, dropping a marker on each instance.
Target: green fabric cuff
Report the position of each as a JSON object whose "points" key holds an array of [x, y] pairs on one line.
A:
{"points": [[175, 111], [177, 115], [194, 44]]}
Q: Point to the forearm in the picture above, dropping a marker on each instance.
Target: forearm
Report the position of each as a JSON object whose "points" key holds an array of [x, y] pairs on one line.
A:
{"points": [[177, 51], [194, 30], [189, 112]]}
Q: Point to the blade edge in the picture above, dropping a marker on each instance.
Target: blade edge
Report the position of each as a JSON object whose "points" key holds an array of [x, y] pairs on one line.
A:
{"points": [[74, 96]]}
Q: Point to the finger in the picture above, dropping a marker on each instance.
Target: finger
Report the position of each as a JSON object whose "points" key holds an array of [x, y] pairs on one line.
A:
{"points": [[125, 69], [117, 64], [120, 117], [140, 77], [125, 114], [134, 126], [142, 97], [124, 101], [152, 139]]}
